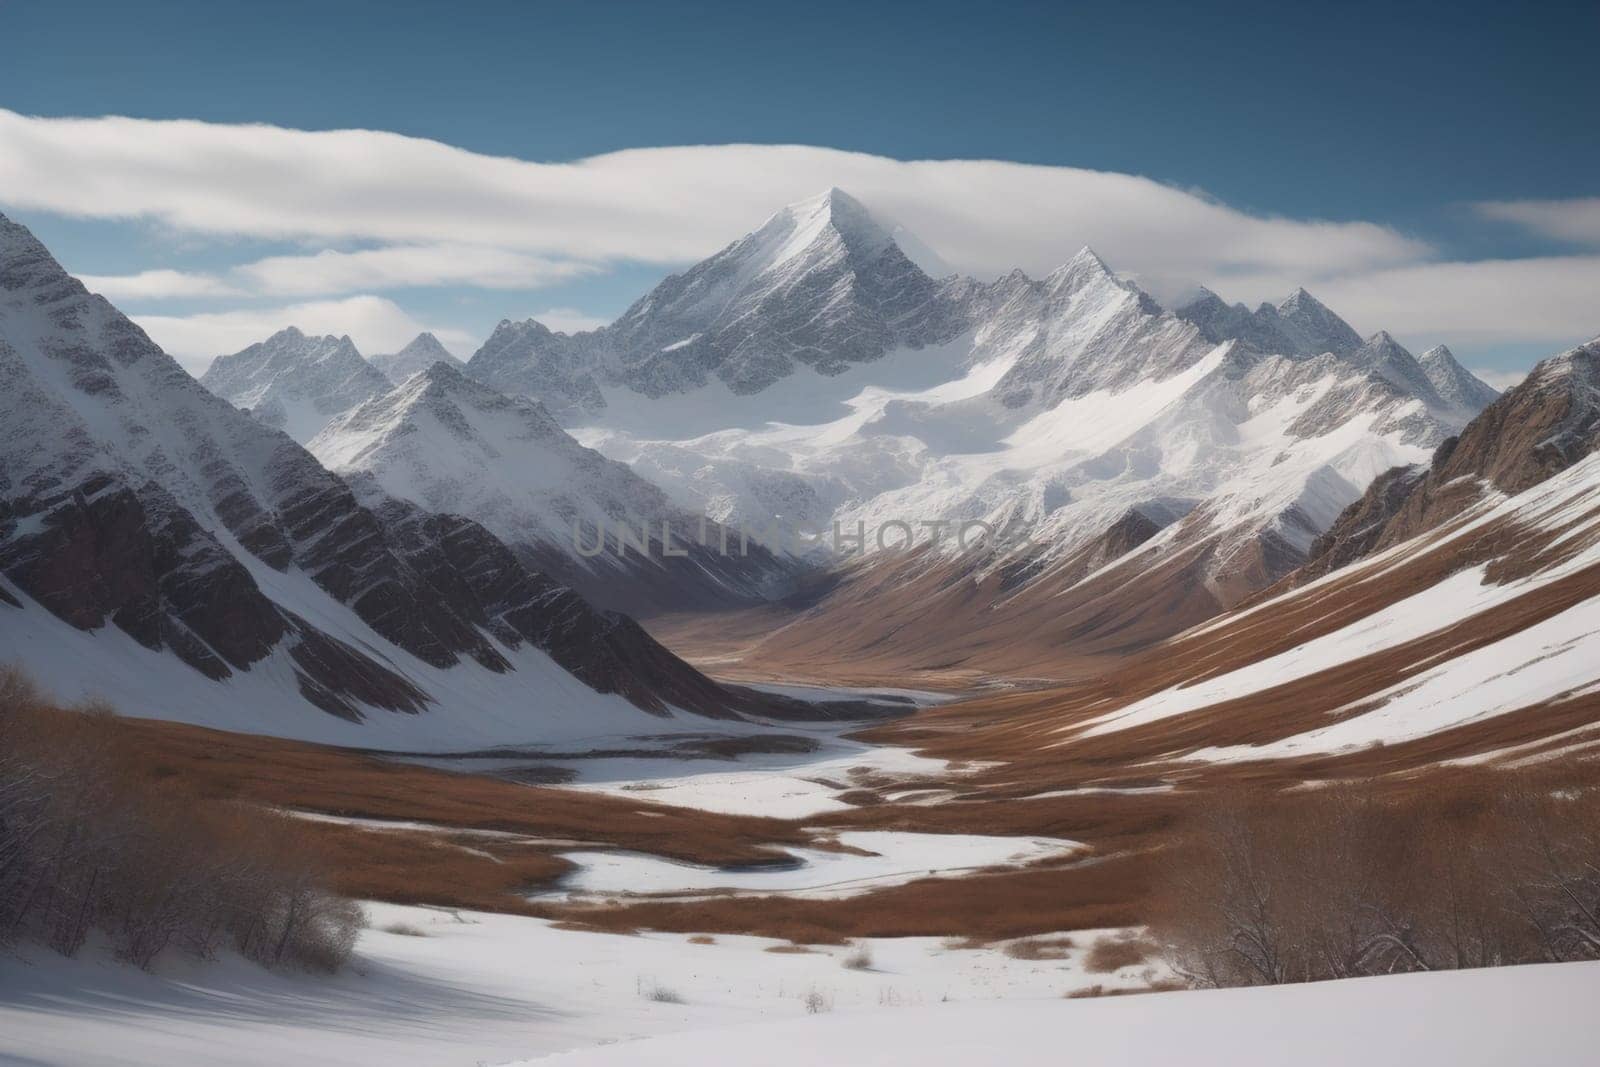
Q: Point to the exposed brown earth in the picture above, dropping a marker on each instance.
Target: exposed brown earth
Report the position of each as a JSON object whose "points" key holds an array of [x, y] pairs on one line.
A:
{"points": [[946, 623]]}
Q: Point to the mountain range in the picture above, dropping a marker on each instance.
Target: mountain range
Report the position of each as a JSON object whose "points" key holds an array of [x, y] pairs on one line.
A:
{"points": [[1126, 473], [1147, 467], [162, 547], [449, 444]]}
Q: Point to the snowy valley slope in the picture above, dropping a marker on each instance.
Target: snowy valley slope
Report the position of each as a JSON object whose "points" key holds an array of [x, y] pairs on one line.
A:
{"points": [[1458, 622]]}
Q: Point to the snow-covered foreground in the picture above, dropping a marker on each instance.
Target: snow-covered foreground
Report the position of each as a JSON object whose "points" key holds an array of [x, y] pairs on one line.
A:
{"points": [[482, 988], [1523, 1015], [486, 989]]}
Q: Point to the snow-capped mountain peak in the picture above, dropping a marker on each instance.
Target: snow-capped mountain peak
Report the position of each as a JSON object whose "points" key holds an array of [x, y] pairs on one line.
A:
{"points": [[295, 382], [424, 351], [1383, 355], [829, 232], [821, 284], [1302, 301], [1083, 269], [833, 214], [1299, 325], [1314, 328], [1454, 383], [447, 397]]}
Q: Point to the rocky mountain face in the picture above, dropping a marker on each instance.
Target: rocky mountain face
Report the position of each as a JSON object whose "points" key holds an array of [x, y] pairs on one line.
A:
{"points": [[1079, 331], [1543, 426], [1359, 528], [449, 444], [295, 383], [1300, 325], [1453, 382], [423, 352], [154, 539]]}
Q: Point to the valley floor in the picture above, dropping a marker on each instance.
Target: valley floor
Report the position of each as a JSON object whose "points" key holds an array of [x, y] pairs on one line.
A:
{"points": [[797, 894], [450, 985]]}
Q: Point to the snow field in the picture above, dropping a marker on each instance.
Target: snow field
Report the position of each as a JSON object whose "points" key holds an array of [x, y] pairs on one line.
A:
{"points": [[482, 988]]}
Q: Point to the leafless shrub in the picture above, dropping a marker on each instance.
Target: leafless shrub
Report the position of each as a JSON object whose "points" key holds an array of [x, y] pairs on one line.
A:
{"points": [[87, 844], [817, 1002], [1353, 882], [404, 930], [859, 957], [660, 994]]}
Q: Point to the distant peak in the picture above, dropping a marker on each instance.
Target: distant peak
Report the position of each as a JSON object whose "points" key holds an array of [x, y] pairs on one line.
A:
{"points": [[1382, 337], [1439, 353], [1200, 297], [832, 215], [1090, 258], [1081, 269], [1300, 299], [847, 214], [423, 342], [514, 327], [830, 199], [443, 373]]}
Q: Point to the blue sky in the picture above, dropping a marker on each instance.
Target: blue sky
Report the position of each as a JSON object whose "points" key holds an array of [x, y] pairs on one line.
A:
{"points": [[1404, 122]]}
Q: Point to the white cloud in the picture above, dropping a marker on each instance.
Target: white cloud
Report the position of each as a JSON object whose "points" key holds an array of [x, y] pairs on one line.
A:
{"points": [[331, 272], [406, 266], [1500, 379], [1577, 221], [448, 216], [375, 325], [570, 320], [658, 205], [157, 285], [1549, 299]]}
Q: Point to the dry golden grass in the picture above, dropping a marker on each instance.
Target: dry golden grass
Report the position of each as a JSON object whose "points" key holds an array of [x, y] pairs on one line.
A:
{"points": [[1113, 954], [1040, 948], [212, 764]]}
